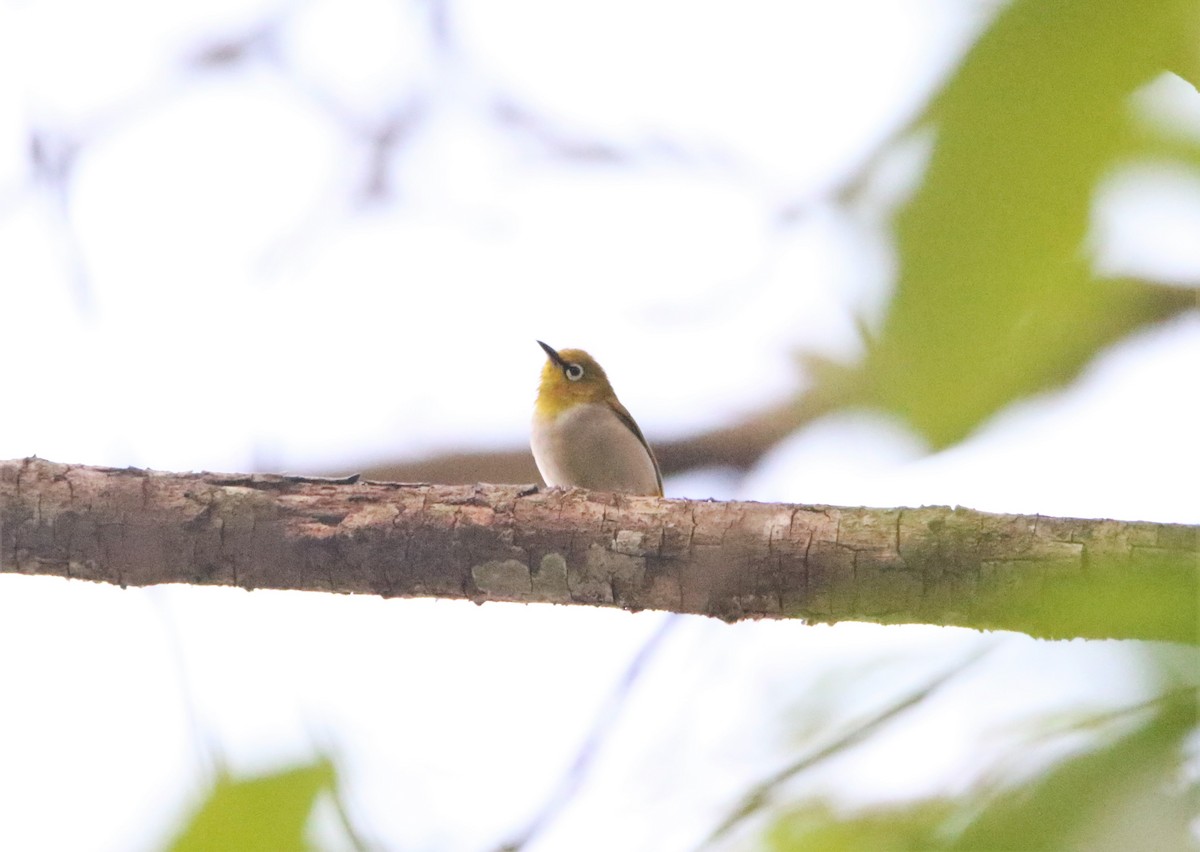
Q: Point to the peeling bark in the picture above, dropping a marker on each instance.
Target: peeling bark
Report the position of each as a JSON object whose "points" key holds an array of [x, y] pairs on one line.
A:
{"points": [[732, 560]]}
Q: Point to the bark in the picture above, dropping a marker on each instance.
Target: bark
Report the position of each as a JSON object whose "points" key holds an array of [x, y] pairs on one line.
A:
{"points": [[732, 560]]}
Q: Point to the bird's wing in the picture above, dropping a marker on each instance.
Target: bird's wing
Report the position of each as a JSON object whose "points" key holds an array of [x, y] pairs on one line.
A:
{"points": [[627, 419]]}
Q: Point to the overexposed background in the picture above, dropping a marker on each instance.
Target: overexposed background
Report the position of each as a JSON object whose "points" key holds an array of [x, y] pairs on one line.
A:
{"points": [[313, 236]]}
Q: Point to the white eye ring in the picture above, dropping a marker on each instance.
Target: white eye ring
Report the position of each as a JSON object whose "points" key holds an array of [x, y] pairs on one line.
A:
{"points": [[573, 372]]}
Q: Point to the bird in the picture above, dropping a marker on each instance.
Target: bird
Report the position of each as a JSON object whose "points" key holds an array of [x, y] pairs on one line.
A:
{"points": [[582, 436]]}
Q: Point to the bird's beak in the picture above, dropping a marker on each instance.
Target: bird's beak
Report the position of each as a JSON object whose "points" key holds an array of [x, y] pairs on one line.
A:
{"points": [[554, 356]]}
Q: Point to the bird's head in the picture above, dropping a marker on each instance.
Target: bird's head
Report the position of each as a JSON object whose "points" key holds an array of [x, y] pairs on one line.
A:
{"points": [[570, 377]]}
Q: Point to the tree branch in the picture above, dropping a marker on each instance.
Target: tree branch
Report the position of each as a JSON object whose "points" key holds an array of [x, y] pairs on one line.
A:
{"points": [[1046, 576]]}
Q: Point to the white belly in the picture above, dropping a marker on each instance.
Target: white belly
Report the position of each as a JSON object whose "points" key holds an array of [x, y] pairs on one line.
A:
{"points": [[590, 447]]}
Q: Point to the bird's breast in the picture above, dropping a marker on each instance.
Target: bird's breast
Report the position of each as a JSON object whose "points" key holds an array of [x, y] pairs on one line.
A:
{"points": [[588, 446]]}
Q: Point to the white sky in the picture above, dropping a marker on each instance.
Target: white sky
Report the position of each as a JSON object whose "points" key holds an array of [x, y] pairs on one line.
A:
{"points": [[245, 313]]}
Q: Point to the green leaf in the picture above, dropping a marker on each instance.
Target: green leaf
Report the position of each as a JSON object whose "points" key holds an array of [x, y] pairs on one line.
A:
{"points": [[995, 297], [265, 812]]}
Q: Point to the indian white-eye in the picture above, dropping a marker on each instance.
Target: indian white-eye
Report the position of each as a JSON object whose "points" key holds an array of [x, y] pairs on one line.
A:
{"points": [[582, 436]]}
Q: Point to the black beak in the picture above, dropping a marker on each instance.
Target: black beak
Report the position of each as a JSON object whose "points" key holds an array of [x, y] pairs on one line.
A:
{"points": [[554, 356]]}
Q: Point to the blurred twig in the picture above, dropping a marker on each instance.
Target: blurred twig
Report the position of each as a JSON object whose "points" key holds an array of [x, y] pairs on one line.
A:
{"points": [[760, 794], [602, 728], [1125, 794]]}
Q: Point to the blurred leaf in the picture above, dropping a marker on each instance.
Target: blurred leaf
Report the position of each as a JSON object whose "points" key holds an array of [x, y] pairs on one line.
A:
{"points": [[1152, 593], [266, 812], [995, 298], [1187, 63], [1122, 795], [816, 827]]}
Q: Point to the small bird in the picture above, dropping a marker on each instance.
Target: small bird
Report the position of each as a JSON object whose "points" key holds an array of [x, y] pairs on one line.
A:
{"points": [[582, 436]]}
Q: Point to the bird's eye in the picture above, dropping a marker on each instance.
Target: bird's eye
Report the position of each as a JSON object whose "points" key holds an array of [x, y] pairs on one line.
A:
{"points": [[573, 372]]}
